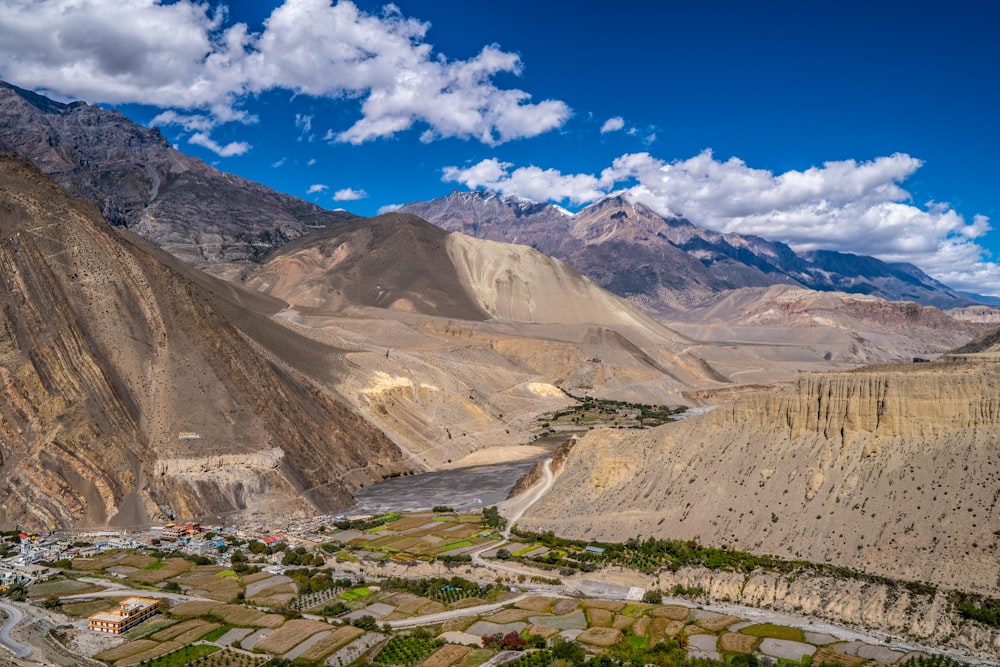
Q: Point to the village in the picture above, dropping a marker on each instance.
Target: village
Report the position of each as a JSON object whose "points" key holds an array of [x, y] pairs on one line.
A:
{"points": [[434, 588]]}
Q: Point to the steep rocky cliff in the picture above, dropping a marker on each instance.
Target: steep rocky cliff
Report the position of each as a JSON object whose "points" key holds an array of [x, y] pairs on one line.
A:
{"points": [[130, 390], [892, 470]]}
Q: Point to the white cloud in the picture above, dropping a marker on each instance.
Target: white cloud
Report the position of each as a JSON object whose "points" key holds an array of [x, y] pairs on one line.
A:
{"points": [[186, 56], [850, 206], [311, 161], [389, 208], [229, 150], [349, 194], [279, 163], [613, 125], [304, 123], [316, 187]]}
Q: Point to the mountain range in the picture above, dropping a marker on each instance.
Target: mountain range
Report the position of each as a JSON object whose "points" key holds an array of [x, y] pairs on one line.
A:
{"points": [[135, 386], [669, 264]]}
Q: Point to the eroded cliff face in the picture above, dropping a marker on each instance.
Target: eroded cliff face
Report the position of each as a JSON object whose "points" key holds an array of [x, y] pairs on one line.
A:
{"points": [[107, 356], [893, 470], [893, 611]]}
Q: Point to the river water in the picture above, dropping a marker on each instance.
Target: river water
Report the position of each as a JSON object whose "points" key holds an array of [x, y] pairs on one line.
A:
{"points": [[462, 489]]}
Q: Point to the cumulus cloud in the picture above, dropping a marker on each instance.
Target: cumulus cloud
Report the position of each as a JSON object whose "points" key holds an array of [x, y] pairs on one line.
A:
{"points": [[232, 148], [850, 206], [613, 125], [316, 187], [389, 208], [349, 194], [189, 59]]}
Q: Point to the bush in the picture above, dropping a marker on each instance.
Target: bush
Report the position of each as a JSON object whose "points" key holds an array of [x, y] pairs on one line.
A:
{"points": [[653, 596]]}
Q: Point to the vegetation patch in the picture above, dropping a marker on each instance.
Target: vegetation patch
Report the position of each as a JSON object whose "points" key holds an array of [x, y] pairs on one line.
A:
{"points": [[356, 593], [154, 652], [190, 654], [406, 650], [217, 633], [774, 632], [147, 628], [533, 659]]}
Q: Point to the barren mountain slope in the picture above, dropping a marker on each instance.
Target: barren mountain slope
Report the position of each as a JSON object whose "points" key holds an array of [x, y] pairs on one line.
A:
{"points": [[892, 470], [854, 328], [457, 343], [107, 355], [210, 219]]}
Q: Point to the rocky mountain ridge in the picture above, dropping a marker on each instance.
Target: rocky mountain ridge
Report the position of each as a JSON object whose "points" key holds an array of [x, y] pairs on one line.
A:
{"points": [[668, 264], [134, 388], [210, 219]]}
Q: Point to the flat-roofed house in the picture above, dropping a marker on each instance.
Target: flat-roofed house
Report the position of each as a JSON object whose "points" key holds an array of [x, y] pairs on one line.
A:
{"points": [[130, 613]]}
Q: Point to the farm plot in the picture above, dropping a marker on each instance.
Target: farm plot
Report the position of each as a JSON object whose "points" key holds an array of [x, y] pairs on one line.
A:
{"points": [[327, 645], [602, 637], [213, 586], [732, 642], [62, 587], [446, 656], [171, 568], [672, 611], [572, 621], [404, 650], [154, 652], [126, 650], [186, 631], [536, 603], [290, 635], [600, 618]]}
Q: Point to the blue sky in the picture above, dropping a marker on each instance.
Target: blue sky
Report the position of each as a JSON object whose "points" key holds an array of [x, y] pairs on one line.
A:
{"points": [[862, 127]]}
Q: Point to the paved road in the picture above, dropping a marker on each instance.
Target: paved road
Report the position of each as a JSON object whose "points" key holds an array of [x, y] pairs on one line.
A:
{"points": [[14, 617]]}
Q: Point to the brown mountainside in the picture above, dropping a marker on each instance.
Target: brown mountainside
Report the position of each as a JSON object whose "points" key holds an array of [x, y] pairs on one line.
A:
{"points": [[108, 355], [892, 470]]}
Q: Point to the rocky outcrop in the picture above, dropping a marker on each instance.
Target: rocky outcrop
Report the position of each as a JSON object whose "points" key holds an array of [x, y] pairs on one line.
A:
{"points": [[537, 471], [892, 610], [891, 470], [114, 357]]}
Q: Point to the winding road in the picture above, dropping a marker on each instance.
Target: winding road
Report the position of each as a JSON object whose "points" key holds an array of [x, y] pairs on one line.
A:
{"points": [[14, 617]]}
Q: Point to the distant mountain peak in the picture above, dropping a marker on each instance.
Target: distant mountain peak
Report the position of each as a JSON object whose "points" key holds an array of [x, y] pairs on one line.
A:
{"points": [[666, 262]]}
